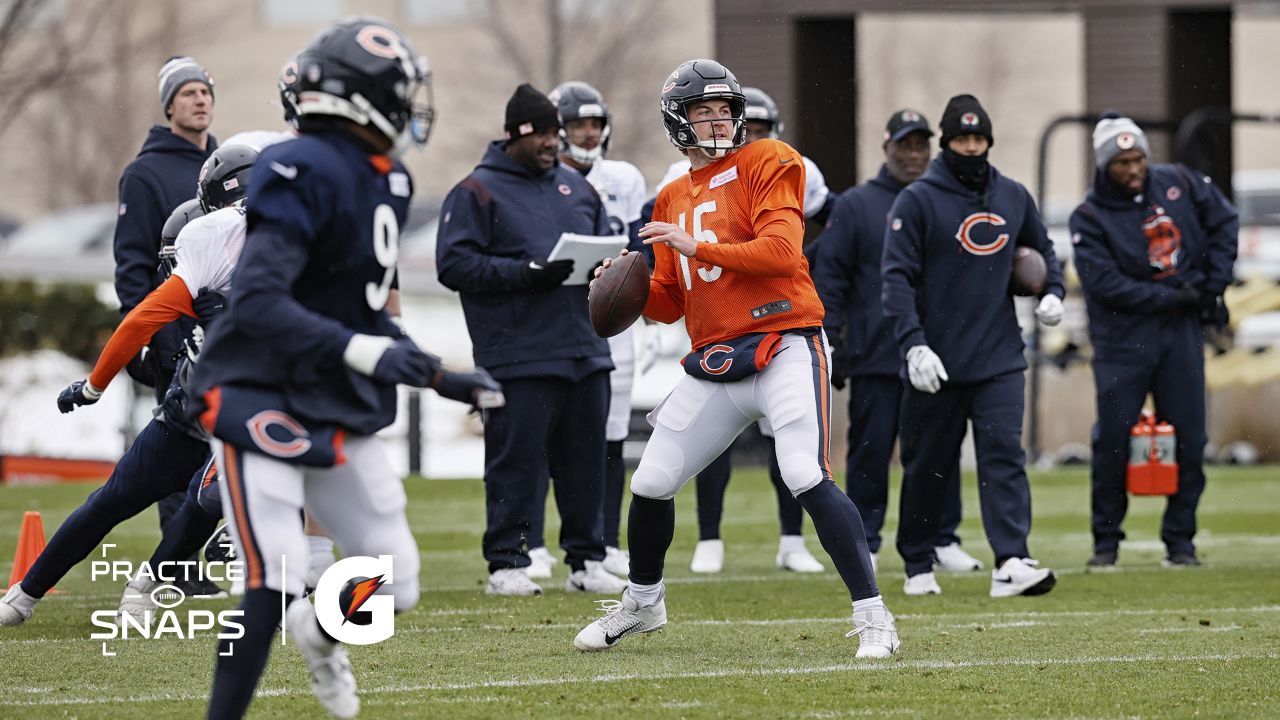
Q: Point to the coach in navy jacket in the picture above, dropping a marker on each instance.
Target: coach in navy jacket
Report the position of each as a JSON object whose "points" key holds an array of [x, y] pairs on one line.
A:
{"points": [[948, 258], [162, 177], [533, 333], [846, 271], [1154, 246]]}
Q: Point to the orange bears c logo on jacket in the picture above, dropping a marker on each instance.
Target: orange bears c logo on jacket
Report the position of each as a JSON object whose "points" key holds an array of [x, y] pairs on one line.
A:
{"points": [[966, 234]]}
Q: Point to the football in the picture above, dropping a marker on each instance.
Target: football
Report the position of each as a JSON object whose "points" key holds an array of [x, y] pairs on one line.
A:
{"points": [[618, 296], [1029, 272]]}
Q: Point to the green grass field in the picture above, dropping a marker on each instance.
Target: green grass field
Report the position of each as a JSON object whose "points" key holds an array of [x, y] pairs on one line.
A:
{"points": [[754, 642]]}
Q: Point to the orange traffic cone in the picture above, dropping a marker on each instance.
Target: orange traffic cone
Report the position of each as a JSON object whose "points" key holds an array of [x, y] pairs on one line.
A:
{"points": [[30, 545]]}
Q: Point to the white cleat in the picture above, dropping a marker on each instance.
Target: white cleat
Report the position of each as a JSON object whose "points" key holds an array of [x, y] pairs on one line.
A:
{"points": [[594, 579], [922, 584], [953, 558], [1020, 577], [617, 561], [877, 633], [794, 556], [512, 581], [16, 606], [137, 601], [540, 563], [708, 556], [332, 681], [621, 618]]}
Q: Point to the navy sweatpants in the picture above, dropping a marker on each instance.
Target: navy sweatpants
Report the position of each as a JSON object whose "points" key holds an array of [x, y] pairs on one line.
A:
{"points": [[874, 402], [547, 424], [1174, 375], [933, 427], [160, 462]]}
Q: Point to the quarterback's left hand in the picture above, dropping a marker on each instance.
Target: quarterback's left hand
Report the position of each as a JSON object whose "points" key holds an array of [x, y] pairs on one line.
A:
{"points": [[1049, 311], [673, 235], [79, 392]]}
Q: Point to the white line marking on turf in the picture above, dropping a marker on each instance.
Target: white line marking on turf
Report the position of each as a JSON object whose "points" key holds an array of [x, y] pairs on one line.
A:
{"points": [[1196, 628], [906, 665]]}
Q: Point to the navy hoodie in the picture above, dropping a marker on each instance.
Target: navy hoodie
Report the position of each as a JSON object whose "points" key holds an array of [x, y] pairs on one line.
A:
{"points": [[1134, 252], [948, 259], [846, 272], [493, 223]]}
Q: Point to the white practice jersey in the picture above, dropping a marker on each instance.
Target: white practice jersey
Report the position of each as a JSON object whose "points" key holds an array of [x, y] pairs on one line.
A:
{"points": [[258, 139], [815, 185], [208, 249], [622, 190]]}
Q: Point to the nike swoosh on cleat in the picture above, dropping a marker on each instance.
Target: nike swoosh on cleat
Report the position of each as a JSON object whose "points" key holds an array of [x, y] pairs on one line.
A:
{"points": [[611, 639], [1007, 581]]}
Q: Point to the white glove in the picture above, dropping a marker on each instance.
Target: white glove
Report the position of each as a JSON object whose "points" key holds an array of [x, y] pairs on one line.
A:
{"points": [[924, 369], [651, 349], [1049, 311]]}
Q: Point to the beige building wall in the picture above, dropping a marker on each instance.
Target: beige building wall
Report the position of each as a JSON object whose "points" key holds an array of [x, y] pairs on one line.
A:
{"points": [[1256, 57]]}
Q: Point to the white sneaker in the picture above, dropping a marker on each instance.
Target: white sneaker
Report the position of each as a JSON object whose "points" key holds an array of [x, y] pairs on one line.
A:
{"points": [[1020, 577], [332, 681], [708, 556], [875, 563], [621, 618], [877, 632], [794, 556], [617, 561], [136, 601], [512, 581], [594, 579], [922, 584], [237, 588], [16, 606], [540, 562], [953, 558]]}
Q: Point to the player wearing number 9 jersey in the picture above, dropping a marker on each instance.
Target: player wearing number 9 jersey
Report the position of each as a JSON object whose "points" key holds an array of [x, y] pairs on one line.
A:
{"points": [[305, 350], [727, 244]]}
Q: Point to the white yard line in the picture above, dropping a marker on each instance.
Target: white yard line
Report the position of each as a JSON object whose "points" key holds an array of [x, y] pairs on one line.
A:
{"points": [[906, 665]]}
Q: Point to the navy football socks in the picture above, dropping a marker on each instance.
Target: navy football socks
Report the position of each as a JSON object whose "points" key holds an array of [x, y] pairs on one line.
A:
{"points": [[839, 528], [651, 525], [236, 677]]}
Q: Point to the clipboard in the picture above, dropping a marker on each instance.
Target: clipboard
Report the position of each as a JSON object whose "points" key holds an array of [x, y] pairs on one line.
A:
{"points": [[586, 251]]}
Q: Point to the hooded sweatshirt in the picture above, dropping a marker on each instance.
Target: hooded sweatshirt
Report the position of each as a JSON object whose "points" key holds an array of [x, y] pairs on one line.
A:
{"points": [[948, 260], [493, 224], [1134, 253]]}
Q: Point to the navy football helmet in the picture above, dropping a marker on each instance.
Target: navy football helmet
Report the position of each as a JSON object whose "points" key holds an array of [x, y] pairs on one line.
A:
{"points": [[576, 100], [178, 219], [697, 80], [364, 70], [762, 107], [224, 177], [288, 86]]}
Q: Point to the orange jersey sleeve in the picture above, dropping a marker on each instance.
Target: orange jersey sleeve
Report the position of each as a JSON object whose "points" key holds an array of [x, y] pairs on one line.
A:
{"points": [[164, 305], [751, 274]]}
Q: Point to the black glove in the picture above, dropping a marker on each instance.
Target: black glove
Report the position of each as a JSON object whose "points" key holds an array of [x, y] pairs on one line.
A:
{"points": [[839, 359], [207, 305], [475, 387], [79, 392], [403, 363], [545, 275], [1188, 297], [1213, 311]]}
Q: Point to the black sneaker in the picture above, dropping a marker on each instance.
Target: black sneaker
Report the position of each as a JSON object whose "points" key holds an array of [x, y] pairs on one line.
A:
{"points": [[219, 547], [1102, 559], [204, 589], [1181, 560]]}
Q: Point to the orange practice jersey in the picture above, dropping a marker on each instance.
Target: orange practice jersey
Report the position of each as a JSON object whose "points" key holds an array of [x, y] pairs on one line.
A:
{"points": [[749, 274]]}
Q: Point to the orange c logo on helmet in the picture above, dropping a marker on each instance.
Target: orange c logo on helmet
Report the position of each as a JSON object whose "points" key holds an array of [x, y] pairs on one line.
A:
{"points": [[723, 367], [380, 41], [965, 234], [260, 423]]}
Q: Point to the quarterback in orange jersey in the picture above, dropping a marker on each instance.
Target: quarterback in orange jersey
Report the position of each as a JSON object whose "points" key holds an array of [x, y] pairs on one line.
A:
{"points": [[727, 242]]}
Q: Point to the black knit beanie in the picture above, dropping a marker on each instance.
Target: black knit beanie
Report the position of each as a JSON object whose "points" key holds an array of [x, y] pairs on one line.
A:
{"points": [[964, 115], [528, 112]]}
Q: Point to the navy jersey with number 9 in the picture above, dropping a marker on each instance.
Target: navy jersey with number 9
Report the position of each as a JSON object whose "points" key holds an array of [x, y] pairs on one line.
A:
{"points": [[318, 266]]}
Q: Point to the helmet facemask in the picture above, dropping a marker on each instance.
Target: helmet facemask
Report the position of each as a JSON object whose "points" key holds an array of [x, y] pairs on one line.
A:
{"points": [[714, 148]]}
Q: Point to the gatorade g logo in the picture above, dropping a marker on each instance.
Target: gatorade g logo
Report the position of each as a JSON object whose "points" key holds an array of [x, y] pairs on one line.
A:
{"points": [[336, 612], [722, 368], [979, 241]]}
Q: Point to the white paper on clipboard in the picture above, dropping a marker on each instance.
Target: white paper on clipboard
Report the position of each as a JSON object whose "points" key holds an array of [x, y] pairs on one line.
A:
{"points": [[586, 251]]}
